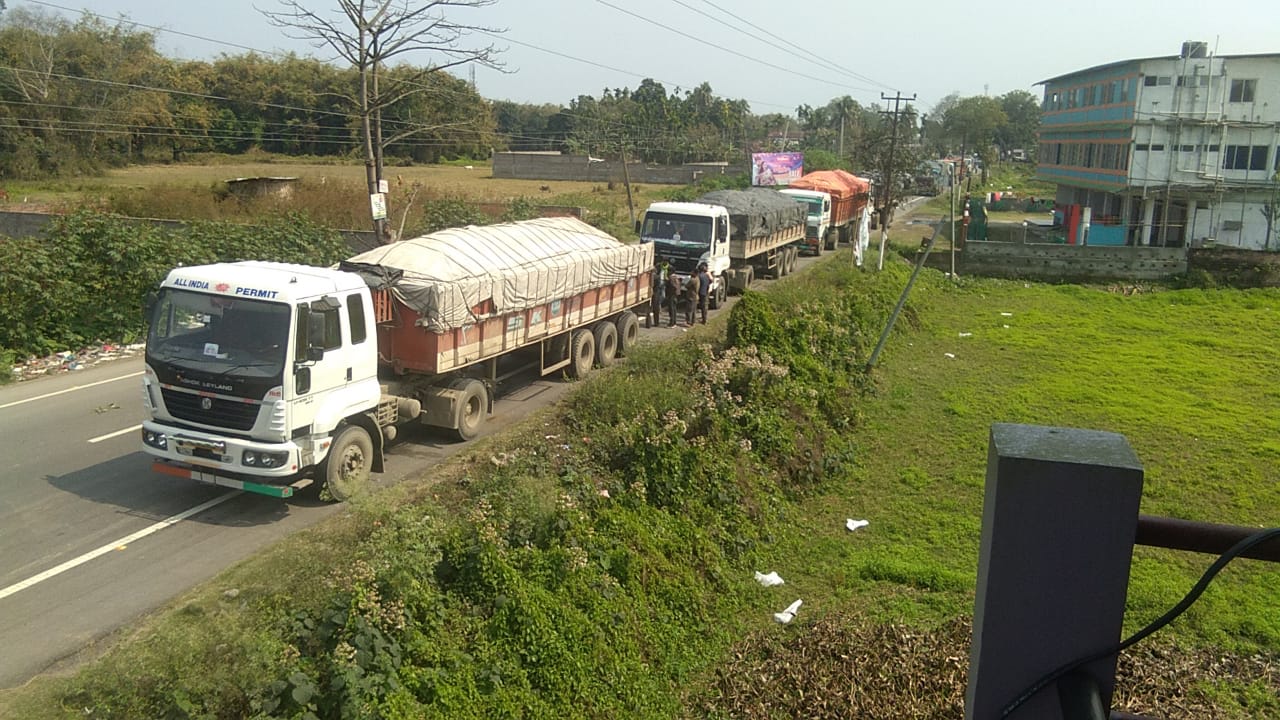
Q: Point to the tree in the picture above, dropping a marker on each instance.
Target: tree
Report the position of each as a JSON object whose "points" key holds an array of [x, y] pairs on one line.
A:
{"points": [[975, 121], [1022, 113], [368, 34]]}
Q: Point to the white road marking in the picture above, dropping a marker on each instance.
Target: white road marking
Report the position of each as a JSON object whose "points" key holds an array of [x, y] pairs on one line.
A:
{"points": [[117, 433], [116, 545], [70, 389]]}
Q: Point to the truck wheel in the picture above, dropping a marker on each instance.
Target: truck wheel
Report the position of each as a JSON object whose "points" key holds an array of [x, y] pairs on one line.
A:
{"points": [[792, 254], [582, 353], [346, 469], [722, 293], [606, 342], [817, 249], [832, 240], [748, 275], [628, 332], [472, 408], [717, 296]]}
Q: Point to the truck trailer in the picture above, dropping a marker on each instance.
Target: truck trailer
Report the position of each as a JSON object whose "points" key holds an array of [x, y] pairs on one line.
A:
{"points": [[739, 234], [848, 194], [269, 377]]}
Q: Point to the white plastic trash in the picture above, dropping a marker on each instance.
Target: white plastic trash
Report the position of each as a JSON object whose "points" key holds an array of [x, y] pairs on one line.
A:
{"points": [[855, 524], [769, 580], [789, 614]]}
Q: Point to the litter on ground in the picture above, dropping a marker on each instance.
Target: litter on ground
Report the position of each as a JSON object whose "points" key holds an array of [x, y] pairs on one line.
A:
{"points": [[769, 580], [789, 614], [855, 524]]}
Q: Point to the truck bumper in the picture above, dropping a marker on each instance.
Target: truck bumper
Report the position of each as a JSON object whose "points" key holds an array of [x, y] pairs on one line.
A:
{"points": [[203, 456], [190, 472]]}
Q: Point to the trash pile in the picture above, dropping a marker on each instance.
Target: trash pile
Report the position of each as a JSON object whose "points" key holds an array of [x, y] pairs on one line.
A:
{"points": [[68, 361]]}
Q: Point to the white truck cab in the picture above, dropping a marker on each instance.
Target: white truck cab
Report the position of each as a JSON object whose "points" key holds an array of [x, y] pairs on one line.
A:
{"points": [[818, 216], [251, 367], [686, 234]]}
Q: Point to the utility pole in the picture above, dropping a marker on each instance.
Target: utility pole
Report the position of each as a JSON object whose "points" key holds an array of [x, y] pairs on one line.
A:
{"points": [[888, 172]]}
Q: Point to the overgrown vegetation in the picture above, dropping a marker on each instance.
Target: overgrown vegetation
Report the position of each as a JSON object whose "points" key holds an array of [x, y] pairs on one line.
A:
{"points": [[599, 562], [88, 279]]}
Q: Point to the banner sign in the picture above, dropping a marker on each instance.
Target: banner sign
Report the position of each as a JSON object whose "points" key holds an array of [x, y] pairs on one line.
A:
{"points": [[776, 168]]}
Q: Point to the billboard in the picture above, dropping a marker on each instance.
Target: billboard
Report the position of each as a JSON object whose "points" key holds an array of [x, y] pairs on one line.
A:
{"points": [[776, 168]]}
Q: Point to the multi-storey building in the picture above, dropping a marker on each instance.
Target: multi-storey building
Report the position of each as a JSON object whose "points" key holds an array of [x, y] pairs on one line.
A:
{"points": [[1180, 150]]}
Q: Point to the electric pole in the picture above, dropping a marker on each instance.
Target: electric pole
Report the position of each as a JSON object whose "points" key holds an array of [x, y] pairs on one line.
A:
{"points": [[887, 194]]}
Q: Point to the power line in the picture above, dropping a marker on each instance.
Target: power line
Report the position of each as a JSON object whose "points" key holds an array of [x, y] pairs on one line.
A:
{"points": [[832, 63], [725, 49]]}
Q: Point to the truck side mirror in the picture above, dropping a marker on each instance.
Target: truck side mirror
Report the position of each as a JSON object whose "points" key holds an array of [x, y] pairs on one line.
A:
{"points": [[722, 229], [637, 227], [149, 304]]}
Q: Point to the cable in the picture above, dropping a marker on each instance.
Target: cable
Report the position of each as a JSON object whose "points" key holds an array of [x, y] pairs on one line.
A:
{"points": [[731, 52], [1196, 591]]}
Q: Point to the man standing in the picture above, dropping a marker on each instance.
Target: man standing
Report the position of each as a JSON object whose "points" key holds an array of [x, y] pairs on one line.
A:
{"points": [[672, 296], [690, 298], [704, 290], [659, 294]]}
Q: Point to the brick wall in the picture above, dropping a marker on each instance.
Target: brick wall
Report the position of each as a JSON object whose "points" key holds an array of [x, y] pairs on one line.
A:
{"points": [[1071, 262], [527, 166]]}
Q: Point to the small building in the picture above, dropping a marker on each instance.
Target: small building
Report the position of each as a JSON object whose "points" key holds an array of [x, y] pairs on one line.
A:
{"points": [[261, 187], [1178, 150]]}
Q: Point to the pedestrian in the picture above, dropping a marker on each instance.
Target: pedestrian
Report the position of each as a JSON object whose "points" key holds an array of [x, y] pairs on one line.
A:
{"points": [[690, 298], [659, 294], [672, 296], [704, 290]]}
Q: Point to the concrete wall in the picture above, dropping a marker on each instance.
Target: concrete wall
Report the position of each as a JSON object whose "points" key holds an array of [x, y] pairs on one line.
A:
{"points": [[1072, 262], [1237, 268], [532, 166]]}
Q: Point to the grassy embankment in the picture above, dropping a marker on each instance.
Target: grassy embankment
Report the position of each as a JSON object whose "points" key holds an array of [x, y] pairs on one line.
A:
{"points": [[598, 562]]}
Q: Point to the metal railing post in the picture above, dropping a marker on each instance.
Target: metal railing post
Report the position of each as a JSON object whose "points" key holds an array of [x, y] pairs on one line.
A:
{"points": [[1058, 524]]}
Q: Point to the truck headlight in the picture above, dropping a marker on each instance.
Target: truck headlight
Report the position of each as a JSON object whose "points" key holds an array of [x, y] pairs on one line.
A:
{"points": [[263, 459], [155, 439]]}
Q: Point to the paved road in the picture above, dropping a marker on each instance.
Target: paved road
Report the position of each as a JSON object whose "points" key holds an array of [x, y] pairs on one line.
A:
{"points": [[91, 539]]}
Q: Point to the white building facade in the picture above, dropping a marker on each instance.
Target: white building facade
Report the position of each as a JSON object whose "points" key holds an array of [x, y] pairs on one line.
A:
{"points": [[1173, 151]]}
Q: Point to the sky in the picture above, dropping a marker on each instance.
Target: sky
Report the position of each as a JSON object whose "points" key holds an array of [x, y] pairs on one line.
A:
{"points": [[775, 54]]}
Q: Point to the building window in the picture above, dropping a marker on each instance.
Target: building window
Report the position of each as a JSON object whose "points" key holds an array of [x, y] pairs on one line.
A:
{"points": [[1242, 91], [1143, 147], [1154, 80], [1232, 225], [1215, 148], [1149, 81], [1157, 148], [1245, 157], [1193, 81], [1124, 91], [1187, 148]]}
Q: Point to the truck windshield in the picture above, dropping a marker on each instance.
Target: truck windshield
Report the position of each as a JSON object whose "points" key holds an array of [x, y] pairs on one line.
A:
{"points": [[815, 207], [689, 231], [219, 334]]}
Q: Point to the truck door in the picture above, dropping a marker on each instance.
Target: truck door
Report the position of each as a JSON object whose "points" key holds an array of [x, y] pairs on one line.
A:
{"points": [[323, 365]]}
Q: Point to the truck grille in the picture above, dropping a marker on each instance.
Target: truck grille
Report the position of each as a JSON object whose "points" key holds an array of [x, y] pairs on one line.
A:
{"points": [[233, 414]]}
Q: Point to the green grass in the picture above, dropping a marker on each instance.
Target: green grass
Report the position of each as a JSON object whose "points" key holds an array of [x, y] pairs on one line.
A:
{"points": [[522, 586]]}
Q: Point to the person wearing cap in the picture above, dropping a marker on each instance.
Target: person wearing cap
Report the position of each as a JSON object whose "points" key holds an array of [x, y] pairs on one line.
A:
{"points": [[704, 291]]}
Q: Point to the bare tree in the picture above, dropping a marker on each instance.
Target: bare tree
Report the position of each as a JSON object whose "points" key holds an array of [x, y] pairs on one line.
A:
{"points": [[370, 33]]}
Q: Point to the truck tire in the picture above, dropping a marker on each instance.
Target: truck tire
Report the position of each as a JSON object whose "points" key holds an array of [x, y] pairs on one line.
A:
{"points": [[628, 332], [582, 353], [346, 468], [817, 249], [748, 275], [472, 408], [833, 240], [793, 256], [606, 336], [718, 297]]}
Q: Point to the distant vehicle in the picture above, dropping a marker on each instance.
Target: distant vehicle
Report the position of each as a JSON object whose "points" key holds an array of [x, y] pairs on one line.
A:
{"points": [[835, 200], [1018, 155]]}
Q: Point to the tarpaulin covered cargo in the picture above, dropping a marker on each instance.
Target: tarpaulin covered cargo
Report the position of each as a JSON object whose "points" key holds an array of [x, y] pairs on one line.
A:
{"points": [[836, 183], [757, 212], [450, 277]]}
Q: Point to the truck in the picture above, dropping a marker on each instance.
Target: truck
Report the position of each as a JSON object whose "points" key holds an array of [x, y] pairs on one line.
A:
{"points": [[271, 377], [847, 193], [739, 234]]}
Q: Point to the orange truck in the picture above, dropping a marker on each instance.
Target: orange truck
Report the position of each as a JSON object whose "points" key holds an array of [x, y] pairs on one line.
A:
{"points": [[848, 194]]}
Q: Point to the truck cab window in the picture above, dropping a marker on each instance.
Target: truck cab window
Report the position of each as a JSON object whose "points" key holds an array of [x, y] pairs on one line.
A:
{"points": [[355, 316]]}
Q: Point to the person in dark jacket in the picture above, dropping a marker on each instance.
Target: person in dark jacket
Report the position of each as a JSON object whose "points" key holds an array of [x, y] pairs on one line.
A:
{"points": [[704, 290], [690, 298], [672, 295]]}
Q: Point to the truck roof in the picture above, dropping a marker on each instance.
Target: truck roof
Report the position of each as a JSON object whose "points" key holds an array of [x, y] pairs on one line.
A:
{"points": [[802, 192], [260, 280], [685, 208]]}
